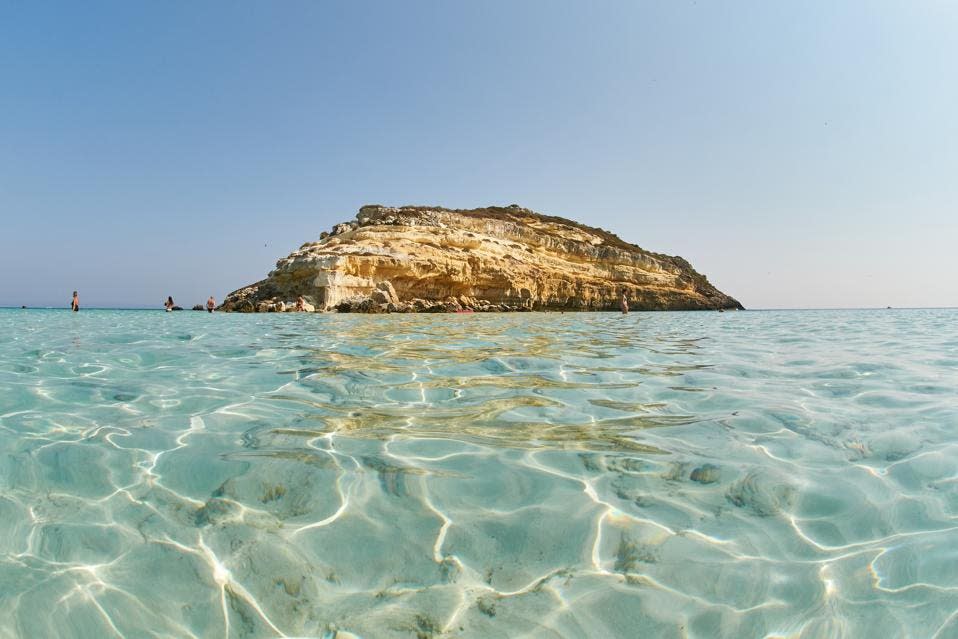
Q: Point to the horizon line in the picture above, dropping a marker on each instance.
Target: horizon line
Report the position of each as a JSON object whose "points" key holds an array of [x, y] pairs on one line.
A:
{"points": [[757, 309]]}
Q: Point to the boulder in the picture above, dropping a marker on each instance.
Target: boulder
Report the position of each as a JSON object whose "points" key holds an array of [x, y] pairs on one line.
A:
{"points": [[387, 289], [339, 229]]}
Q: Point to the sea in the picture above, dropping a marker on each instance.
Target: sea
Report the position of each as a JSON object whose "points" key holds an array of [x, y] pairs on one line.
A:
{"points": [[701, 474]]}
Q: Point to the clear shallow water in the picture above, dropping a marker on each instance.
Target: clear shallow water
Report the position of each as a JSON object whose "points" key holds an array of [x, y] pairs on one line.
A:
{"points": [[581, 475]]}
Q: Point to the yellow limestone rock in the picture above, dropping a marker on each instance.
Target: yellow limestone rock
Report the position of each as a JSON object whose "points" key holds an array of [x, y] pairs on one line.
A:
{"points": [[415, 258]]}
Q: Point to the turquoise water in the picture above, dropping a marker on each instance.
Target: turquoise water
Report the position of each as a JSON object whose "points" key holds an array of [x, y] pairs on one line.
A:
{"points": [[752, 474]]}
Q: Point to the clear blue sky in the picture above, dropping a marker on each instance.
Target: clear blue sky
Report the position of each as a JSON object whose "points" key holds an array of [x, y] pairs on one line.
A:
{"points": [[800, 154]]}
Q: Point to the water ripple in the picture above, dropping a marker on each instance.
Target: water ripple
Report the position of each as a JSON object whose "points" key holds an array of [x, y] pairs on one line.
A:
{"points": [[761, 474]]}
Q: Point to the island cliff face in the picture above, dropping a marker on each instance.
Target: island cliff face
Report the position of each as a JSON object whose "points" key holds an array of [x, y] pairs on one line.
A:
{"points": [[415, 258]]}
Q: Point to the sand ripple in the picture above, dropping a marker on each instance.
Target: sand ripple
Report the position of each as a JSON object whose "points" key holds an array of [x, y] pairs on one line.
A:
{"points": [[665, 475]]}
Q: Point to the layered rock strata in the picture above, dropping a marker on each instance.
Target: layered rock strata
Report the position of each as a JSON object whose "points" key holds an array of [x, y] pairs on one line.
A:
{"points": [[413, 258]]}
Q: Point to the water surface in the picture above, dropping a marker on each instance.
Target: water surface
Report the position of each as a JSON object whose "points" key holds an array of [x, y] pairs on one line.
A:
{"points": [[750, 474]]}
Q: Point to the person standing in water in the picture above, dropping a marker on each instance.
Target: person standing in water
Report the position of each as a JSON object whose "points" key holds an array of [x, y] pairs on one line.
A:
{"points": [[168, 304], [624, 303], [75, 304], [210, 304]]}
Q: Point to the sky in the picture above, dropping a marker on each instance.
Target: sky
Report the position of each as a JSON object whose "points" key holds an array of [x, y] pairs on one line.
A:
{"points": [[800, 154]]}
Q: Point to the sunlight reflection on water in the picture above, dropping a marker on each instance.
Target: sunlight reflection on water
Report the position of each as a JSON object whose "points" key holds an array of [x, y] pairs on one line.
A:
{"points": [[658, 474]]}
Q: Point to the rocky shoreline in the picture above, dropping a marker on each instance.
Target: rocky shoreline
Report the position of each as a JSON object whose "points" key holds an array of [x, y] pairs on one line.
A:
{"points": [[495, 259]]}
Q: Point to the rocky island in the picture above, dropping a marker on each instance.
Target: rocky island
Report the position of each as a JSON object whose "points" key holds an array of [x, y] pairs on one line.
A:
{"points": [[431, 259]]}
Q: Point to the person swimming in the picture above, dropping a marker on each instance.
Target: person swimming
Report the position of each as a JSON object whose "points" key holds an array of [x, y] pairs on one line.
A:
{"points": [[624, 302], [75, 304], [168, 304], [210, 304]]}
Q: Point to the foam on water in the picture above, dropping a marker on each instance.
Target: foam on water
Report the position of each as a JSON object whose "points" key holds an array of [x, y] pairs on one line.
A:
{"points": [[758, 474]]}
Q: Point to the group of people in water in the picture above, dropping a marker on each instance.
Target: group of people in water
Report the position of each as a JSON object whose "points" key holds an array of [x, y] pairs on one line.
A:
{"points": [[169, 304], [211, 304]]}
